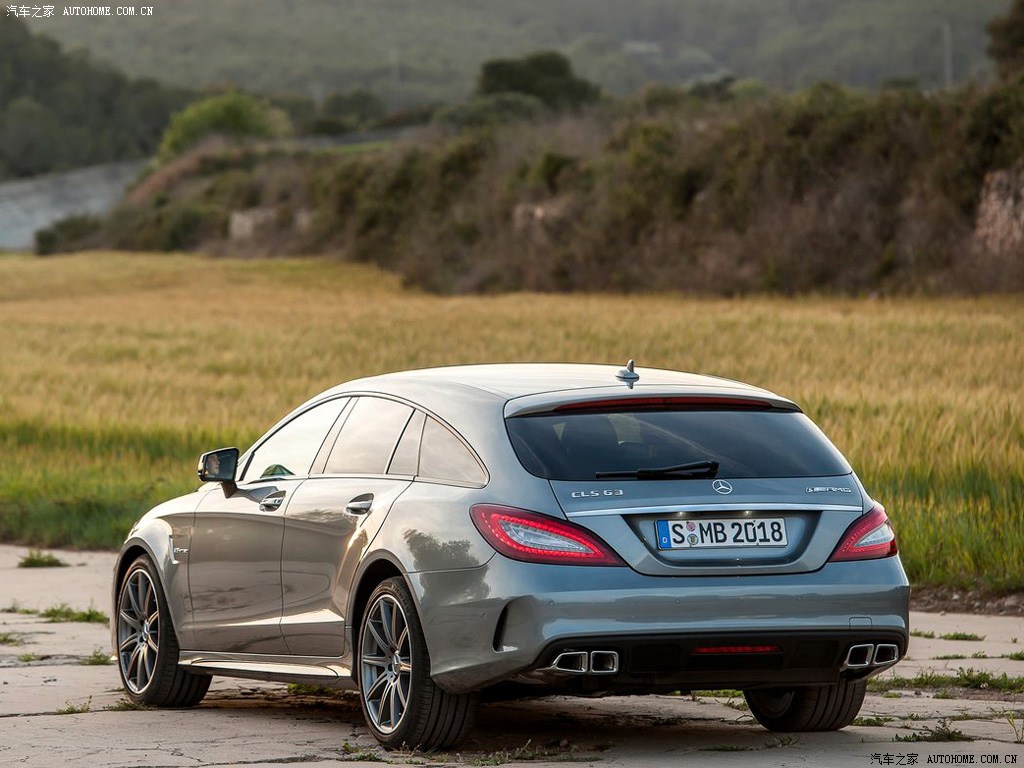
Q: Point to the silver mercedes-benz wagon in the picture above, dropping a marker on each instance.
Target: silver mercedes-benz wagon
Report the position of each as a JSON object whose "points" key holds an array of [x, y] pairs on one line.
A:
{"points": [[435, 538]]}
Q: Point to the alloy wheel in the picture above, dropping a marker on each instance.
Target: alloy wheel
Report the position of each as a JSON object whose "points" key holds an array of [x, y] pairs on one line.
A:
{"points": [[138, 630], [386, 663]]}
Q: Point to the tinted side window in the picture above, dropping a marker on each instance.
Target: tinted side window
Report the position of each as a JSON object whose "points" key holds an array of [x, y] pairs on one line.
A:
{"points": [[290, 451], [444, 457], [368, 438], [406, 460]]}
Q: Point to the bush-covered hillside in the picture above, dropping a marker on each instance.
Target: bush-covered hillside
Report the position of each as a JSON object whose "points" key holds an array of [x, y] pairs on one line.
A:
{"points": [[412, 52], [61, 111], [706, 191]]}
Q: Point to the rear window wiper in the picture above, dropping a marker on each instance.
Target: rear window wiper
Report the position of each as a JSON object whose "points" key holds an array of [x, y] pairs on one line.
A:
{"points": [[695, 469]]}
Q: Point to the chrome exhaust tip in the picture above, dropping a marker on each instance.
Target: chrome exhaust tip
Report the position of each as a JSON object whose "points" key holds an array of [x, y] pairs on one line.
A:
{"points": [[859, 656], [574, 662], [886, 653], [604, 662]]}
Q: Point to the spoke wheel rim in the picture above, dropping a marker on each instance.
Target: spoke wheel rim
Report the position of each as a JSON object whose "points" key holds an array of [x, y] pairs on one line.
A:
{"points": [[385, 664], [138, 631]]}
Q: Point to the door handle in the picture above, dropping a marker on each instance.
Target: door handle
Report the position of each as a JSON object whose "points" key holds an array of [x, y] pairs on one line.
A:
{"points": [[271, 503], [360, 505]]}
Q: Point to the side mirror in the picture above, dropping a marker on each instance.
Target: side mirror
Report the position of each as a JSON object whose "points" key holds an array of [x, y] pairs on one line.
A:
{"points": [[218, 466]]}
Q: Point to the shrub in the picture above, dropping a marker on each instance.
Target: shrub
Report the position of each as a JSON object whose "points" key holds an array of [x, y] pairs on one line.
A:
{"points": [[233, 115]]}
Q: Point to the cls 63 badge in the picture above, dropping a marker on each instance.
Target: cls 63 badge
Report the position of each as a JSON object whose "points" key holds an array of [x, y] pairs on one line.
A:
{"points": [[597, 494]]}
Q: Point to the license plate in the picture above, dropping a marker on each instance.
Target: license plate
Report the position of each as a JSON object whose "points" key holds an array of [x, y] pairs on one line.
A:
{"points": [[707, 534]]}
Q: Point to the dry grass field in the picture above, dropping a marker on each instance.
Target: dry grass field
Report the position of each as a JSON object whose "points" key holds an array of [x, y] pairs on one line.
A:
{"points": [[118, 370]]}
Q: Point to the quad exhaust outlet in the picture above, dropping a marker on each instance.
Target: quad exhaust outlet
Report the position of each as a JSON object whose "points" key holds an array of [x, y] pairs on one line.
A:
{"points": [[583, 663], [866, 655]]}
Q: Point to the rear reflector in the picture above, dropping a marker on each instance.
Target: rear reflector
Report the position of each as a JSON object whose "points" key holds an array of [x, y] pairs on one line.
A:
{"points": [[534, 538], [869, 537], [734, 649]]}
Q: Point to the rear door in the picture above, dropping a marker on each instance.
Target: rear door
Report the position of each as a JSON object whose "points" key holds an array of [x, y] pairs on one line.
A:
{"points": [[332, 518], [696, 487], [234, 556]]}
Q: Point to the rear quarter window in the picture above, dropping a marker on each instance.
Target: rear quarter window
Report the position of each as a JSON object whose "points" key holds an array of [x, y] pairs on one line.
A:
{"points": [[444, 457]]}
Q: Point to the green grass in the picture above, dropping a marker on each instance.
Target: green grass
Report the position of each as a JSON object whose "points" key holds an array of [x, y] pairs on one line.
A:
{"points": [[121, 369], [920, 633], [75, 709], [28, 658], [65, 613], [942, 731], [1016, 656], [962, 636], [39, 559], [124, 705], [874, 721], [965, 678], [16, 608], [10, 638], [98, 658]]}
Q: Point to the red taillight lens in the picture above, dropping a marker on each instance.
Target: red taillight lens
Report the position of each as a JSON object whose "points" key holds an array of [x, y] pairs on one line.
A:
{"points": [[868, 538], [534, 538]]}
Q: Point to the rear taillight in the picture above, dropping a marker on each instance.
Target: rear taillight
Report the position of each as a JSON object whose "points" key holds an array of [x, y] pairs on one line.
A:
{"points": [[534, 538], [730, 650], [868, 538]]}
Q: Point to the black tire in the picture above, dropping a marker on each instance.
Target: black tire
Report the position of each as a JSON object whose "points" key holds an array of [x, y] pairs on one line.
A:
{"points": [[401, 704], [147, 648], [811, 708]]}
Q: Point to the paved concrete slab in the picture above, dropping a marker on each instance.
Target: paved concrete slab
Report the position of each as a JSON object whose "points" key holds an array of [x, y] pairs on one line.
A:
{"points": [[54, 710]]}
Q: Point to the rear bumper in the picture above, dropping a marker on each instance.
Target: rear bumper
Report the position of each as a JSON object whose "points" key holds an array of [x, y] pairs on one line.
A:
{"points": [[505, 621], [708, 661]]}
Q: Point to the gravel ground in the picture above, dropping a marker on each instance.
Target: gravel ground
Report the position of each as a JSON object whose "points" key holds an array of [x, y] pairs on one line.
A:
{"points": [[57, 710]]}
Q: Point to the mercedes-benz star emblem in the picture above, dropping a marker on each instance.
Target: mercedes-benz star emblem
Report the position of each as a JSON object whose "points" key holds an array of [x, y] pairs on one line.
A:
{"points": [[722, 486]]}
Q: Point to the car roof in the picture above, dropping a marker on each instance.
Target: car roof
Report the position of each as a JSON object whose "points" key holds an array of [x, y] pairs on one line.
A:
{"points": [[508, 381]]}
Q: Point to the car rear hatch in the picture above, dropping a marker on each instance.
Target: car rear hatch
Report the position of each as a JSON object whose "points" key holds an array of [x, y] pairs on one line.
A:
{"points": [[697, 484]]}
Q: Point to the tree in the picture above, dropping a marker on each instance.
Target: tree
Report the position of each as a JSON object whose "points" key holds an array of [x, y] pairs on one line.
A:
{"points": [[233, 115], [30, 138], [546, 75], [1006, 41]]}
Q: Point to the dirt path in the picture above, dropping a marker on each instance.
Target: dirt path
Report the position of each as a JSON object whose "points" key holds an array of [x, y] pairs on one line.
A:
{"points": [[57, 710]]}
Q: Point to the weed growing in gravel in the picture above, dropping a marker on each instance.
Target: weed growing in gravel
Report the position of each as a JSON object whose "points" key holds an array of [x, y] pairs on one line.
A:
{"points": [[1018, 728], [962, 636], [36, 558], [873, 721], [922, 633], [98, 658], [124, 705], [949, 657], [941, 732], [10, 638], [965, 678], [353, 754], [1016, 656], [16, 608], [64, 612], [75, 709]]}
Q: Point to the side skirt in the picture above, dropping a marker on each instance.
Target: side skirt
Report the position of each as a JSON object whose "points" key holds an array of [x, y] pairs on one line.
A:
{"points": [[282, 669]]}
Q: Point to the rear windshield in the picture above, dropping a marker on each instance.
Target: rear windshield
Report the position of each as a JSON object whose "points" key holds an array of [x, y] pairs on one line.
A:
{"points": [[576, 446]]}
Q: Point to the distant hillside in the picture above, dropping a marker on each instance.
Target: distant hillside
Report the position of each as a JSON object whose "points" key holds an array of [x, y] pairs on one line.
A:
{"points": [[60, 111], [414, 51], [825, 190]]}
